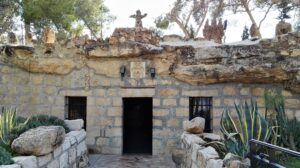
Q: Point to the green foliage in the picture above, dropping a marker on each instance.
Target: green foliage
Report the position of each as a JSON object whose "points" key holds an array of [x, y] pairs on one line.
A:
{"points": [[245, 35], [49, 13], [7, 123], [161, 22], [284, 7], [248, 125], [5, 157], [285, 130]]}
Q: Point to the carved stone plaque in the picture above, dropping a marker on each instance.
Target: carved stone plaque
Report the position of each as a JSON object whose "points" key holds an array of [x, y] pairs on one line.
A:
{"points": [[137, 70]]}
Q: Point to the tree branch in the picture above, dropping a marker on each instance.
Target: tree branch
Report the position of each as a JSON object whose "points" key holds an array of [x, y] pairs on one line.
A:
{"points": [[265, 16]]}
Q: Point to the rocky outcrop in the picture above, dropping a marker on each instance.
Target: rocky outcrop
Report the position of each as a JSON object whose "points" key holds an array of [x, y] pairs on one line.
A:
{"points": [[265, 61], [39, 141], [121, 35], [195, 126]]}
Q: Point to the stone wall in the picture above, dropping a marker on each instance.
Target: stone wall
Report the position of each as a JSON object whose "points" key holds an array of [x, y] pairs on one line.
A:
{"points": [[34, 93], [72, 153]]}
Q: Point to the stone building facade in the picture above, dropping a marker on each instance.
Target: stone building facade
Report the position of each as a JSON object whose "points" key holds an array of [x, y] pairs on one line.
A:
{"points": [[38, 84]]}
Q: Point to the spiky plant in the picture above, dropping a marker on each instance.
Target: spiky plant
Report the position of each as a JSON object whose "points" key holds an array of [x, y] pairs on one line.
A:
{"points": [[249, 124]]}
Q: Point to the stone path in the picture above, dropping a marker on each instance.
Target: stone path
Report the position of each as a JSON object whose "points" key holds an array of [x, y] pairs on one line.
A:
{"points": [[130, 161]]}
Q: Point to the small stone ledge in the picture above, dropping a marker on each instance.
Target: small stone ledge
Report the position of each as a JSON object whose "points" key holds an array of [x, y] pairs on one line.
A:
{"points": [[72, 153]]}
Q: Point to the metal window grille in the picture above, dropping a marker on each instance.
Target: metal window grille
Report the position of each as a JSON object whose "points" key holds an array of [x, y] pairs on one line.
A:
{"points": [[202, 107], [76, 108]]}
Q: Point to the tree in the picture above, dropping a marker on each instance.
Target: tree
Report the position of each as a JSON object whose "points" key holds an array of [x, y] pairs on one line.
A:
{"points": [[93, 13], [63, 15], [8, 10], [190, 13], [51, 13], [245, 35]]}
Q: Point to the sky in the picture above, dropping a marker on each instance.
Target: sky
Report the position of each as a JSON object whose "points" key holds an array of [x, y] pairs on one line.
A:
{"points": [[122, 9]]}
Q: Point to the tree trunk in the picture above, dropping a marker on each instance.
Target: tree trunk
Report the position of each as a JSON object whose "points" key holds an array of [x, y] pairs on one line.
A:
{"points": [[183, 28], [244, 3]]}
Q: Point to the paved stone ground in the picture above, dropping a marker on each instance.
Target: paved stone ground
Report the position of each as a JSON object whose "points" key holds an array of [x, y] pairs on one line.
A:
{"points": [[130, 161]]}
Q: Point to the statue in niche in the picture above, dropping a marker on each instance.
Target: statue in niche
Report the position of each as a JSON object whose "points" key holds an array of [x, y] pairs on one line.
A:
{"points": [[138, 19]]}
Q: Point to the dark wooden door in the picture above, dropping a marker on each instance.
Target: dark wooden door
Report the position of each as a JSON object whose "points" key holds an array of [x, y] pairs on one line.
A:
{"points": [[76, 107], [137, 126]]}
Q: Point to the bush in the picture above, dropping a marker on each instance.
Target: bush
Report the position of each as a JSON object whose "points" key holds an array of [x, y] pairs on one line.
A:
{"points": [[36, 121], [5, 157]]}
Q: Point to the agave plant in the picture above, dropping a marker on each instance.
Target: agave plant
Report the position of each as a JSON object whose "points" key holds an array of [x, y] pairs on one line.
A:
{"points": [[8, 122], [249, 124]]}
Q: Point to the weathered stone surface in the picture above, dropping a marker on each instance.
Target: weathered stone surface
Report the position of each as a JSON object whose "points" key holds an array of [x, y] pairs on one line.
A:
{"points": [[74, 125], [211, 137], [178, 156], [230, 157], [192, 138], [195, 126], [212, 163], [39, 141], [11, 166], [26, 161], [206, 154]]}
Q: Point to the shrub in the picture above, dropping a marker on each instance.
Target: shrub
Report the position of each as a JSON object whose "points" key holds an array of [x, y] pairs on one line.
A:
{"points": [[248, 125], [5, 157], [36, 121]]}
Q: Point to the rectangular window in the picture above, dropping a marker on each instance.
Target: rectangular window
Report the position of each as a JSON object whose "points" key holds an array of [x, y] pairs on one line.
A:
{"points": [[202, 107], [76, 108]]}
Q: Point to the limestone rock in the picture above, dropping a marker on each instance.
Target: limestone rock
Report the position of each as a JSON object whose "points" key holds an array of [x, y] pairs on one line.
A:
{"points": [[48, 36], [195, 126], [74, 125], [192, 138], [211, 137], [238, 164], [83, 161], [206, 154], [214, 163], [10, 166], [39, 141], [26, 161]]}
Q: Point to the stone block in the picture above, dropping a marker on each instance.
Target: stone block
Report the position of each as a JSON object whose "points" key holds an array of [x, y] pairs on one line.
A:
{"points": [[229, 91], [146, 92], [174, 123], [182, 112], [111, 92], [286, 93], [214, 163], [63, 163], [117, 102], [216, 102], [66, 145], [197, 93], [118, 122], [99, 92], [258, 91], [81, 149], [74, 125], [72, 155], [168, 92], [157, 143], [57, 152], [115, 112], [160, 112], [156, 102], [50, 90], [26, 161], [53, 164], [292, 103], [102, 141], [184, 102], [169, 102], [157, 123], [37, 79], [103, 102], [205, 154], [114, 132], [43, 160], [11, 166]]}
